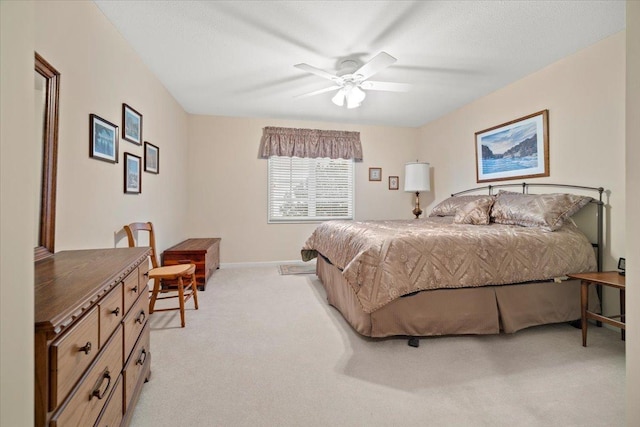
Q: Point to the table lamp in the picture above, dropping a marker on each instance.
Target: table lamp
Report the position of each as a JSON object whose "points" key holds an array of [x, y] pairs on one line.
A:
{"points": [[416, 179]]}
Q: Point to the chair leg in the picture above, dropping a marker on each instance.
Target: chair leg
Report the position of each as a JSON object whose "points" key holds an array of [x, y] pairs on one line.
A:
{"points": [[154, 294], [194, 289], [181, 298]]}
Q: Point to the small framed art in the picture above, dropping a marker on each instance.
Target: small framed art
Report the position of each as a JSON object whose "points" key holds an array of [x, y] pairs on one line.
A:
{"points": [[151, 158], [514, 150], [375, 174], [132, 174], [394, 183], [103, 139], [131, 125]]}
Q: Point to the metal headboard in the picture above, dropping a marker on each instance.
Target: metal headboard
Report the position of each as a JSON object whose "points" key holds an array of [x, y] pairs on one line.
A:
{"points": [[599, 245]]}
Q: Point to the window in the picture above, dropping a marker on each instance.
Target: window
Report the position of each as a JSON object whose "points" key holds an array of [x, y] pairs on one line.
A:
{"points": [[304, 189]]}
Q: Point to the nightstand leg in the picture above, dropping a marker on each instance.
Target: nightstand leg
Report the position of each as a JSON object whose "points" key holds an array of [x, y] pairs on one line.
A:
{"points": [[622, 312], [584, 303]]}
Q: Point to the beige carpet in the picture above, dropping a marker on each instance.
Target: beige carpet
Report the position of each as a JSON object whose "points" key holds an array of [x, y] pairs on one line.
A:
{"points": [[266, 350]]}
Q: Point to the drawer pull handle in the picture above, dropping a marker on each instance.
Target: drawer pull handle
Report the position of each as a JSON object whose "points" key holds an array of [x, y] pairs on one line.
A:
{"points": [[142, 359], [86, 348], [96, 391], [116, 311], [134, 289], [141, 317], [146, 274]]}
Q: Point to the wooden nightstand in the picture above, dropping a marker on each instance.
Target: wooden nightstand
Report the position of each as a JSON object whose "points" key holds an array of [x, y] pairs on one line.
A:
{"points": [[606, 278]]}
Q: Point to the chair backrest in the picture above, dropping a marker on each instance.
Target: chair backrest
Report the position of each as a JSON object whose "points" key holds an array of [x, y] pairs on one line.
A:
{"points": [[135, 227]]}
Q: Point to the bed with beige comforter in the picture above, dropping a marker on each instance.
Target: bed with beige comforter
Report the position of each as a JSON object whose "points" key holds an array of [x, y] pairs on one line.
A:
{"points": [[433, 276]]}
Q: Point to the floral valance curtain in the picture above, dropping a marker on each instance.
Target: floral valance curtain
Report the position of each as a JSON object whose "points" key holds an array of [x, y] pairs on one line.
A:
{"points": [[311, 143]]}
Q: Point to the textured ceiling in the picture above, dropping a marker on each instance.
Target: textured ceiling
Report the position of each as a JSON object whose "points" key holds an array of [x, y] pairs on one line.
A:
{"points": [[236, 58]]}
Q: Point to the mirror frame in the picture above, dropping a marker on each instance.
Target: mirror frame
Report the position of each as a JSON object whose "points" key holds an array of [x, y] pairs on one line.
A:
{"points": [[47, 231]]}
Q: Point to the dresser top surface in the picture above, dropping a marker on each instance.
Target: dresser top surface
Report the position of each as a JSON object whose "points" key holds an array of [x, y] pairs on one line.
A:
{"points": [[70, 282]]}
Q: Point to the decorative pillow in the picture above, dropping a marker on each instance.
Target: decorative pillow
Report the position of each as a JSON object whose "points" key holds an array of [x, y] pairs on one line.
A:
{"points": [[547, 211], [448, 207], [475, 212]]}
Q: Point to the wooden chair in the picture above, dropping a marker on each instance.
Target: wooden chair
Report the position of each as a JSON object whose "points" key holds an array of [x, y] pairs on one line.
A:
{"points": [[182, 273]]}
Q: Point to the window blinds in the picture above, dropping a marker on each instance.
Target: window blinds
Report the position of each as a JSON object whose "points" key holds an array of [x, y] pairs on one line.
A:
{"points": [[305, 189]]}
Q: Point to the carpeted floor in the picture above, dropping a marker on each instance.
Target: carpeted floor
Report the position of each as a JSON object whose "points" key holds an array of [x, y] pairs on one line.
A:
{"points": [[266, 350]]}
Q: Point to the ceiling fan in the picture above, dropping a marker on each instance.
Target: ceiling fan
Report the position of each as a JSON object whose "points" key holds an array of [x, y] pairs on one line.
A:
{"points": [[351, 81]]}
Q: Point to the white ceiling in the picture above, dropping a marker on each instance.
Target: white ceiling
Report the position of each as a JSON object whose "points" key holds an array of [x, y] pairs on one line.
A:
{"points": [[235, 58]]}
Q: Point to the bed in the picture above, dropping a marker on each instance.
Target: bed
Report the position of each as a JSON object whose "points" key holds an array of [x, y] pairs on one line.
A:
{"points": [[481, 263]]}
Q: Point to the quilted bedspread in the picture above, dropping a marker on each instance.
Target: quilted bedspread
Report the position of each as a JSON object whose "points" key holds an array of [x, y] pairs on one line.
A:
{"points": [[383, 260]]}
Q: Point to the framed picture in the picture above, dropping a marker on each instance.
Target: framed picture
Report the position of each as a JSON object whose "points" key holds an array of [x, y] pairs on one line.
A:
{"points": [[132, 174], [131, 125], [375, 174], [103, 139], [394, 183], [151, 158], [514, 150]]}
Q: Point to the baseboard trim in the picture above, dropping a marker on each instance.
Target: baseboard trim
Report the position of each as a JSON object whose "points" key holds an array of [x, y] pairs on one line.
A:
{"points": [[261, 264]]}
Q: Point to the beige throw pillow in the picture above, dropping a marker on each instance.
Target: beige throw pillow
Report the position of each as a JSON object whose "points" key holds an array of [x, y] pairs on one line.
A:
{"points": [[547, 211], [450, 206], [475, 212]]}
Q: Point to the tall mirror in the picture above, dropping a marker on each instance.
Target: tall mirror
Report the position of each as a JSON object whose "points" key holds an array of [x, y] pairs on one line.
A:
{"points": [[46, 94]]}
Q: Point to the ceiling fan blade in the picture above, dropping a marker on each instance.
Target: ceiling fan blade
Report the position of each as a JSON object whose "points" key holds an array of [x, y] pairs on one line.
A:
{"points": [[388, 86], [318, 72], [379, 62], [318, 92]]}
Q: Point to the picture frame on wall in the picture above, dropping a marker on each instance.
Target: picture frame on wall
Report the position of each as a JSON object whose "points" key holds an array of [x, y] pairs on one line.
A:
{"points": [[514, 150], [394, 183], [375, 174], [131, 125], [103, 139], [132, 174], [151, 158]]}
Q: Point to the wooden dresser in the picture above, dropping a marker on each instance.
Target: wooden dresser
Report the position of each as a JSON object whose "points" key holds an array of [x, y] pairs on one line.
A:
{"points": [[92, 352], [203, 252]]}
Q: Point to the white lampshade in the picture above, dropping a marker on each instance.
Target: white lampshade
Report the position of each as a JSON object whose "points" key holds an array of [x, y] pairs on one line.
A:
{"points": [[416, 177]]}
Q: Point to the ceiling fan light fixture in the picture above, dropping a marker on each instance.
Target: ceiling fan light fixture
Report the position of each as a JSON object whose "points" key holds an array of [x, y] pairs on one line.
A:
{"points": [[355, 97], [338, 98]]}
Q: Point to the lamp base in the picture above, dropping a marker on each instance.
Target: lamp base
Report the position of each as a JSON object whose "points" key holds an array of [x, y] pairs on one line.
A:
{"points": [[417, 211]]}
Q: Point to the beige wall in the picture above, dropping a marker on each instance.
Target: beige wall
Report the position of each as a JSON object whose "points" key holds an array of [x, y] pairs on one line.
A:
{"points": [[633, 207], [18, 183], [585, 96], [99, 71], [228, 184]]}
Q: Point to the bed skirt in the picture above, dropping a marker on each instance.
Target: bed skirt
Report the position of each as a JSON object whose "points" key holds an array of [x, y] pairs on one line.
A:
{"points": [[484, 310]]}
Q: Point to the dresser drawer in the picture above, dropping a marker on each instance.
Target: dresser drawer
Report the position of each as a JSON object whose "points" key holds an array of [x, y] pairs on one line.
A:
{"points": [[131, 288], [71, 354], [143, 276], [112, 413], [133, 324], [111, 313], [85, 404], [137, 365]]}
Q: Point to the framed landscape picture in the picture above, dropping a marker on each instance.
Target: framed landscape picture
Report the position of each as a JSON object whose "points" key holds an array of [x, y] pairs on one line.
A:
{"points": [[132, 174], [514, 150], [103, 139], [131, 125], [151, 158]]}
